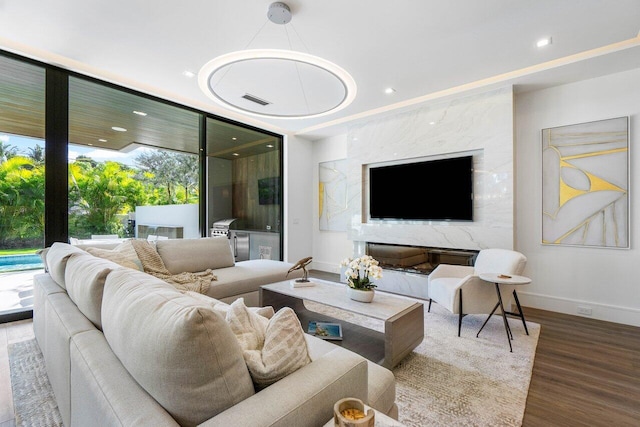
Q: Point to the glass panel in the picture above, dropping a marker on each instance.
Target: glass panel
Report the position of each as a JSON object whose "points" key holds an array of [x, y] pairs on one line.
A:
{"points": [[21, 182], [245, 184], [133, 166]]}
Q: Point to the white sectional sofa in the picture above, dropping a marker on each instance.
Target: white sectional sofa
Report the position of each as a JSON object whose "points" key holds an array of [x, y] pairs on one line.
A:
{"points": [[124, 348]]}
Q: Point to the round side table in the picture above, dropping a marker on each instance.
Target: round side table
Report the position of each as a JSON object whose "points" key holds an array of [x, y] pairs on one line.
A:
{"points": [[505, 279]]}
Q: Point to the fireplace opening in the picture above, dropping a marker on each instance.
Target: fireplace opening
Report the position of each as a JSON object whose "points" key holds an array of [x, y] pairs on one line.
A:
{"points": [[417, 259]]}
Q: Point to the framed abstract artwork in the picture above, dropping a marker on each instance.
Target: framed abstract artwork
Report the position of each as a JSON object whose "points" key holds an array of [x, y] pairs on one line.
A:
{"points": [[585, 184], [332, 195]]}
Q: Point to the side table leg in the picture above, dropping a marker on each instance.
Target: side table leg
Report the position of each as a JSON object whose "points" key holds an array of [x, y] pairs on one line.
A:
{"points": [[488, 317], [504, 318], [515, 296]]}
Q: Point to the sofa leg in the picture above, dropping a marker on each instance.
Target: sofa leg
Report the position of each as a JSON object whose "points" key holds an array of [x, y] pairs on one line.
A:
{"points": [[429, 309], [460, 315]]}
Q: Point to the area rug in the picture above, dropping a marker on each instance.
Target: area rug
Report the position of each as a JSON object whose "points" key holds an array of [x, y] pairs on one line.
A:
{"points": [[446, 381], [460, 381], [33, 400]]}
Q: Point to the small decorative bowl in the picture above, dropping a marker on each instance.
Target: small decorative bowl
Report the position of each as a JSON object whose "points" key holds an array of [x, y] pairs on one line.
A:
{"points": [[350, 412]]}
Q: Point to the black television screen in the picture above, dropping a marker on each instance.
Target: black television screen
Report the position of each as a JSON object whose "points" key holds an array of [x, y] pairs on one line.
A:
{"points": [[428, 190]]}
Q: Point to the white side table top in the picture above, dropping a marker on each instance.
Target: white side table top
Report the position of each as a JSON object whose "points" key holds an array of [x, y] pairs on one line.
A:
{"points": [[505, 279]]}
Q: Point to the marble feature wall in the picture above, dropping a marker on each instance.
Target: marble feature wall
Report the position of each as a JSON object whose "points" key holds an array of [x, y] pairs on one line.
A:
{"points": [[481, 125]]}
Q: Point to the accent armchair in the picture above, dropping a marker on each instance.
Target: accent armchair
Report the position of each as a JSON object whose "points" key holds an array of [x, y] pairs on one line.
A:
{"points": [[459, 289]]}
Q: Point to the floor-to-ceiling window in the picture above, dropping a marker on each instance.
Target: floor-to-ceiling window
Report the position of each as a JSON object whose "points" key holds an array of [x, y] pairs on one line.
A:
{"points": [[22, 185], [133, 165], [245, 181], [120, 163]]}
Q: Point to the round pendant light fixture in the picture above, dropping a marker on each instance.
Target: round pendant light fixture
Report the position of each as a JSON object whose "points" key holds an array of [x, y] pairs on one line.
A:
{"points": [[277, 83]]}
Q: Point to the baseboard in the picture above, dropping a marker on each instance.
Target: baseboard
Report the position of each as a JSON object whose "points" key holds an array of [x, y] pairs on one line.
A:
{"points": [[606, 312], [323, 266]]}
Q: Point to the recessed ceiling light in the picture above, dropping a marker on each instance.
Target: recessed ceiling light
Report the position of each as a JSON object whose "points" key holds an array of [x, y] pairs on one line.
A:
{"points": [[90, 145], [236, 154], [269, 145], [432, 123], [543, 42], [102, 140], [234, 138], [140, 113], [189, 74], [389, 90], [118, 129]]}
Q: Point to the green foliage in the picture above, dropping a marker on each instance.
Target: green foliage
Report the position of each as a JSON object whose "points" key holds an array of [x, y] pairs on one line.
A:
{"points": [[175, 173], [99, 192], [21, 200]]}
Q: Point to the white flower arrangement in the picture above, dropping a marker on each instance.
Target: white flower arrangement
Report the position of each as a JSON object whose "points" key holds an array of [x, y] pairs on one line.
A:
{"points": [[360, 271]]}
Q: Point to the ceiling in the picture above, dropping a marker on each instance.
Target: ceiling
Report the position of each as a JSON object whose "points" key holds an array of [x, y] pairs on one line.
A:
{"points": [[424, 49]]}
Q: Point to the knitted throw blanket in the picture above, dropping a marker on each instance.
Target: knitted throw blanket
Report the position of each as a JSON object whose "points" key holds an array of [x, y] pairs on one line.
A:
{"points": [[153, 265]]}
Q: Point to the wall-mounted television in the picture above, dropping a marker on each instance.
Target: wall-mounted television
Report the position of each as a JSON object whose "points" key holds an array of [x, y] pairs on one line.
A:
{"points": [[431, 190]]}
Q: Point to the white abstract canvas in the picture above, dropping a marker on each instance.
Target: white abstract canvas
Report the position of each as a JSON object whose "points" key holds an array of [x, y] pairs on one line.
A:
{"points": [[332, 195], [585, 184]]}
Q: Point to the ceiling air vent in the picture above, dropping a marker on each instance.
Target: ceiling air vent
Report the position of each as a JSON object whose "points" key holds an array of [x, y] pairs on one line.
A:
{"points": [[255, 99]]}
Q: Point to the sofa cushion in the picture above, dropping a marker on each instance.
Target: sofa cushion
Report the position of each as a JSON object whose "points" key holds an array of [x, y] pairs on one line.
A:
{"points": [[248, 276], [85, 276], [123, 254], [272, 348], [57, 257], [178, 349], [180, 255]]}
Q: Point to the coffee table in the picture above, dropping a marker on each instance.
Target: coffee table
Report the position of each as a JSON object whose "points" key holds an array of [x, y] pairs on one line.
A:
{"points": [[403, 318]]}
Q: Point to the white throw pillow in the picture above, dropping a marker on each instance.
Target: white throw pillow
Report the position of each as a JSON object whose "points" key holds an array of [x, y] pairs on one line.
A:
{"points": [[272, 348]]}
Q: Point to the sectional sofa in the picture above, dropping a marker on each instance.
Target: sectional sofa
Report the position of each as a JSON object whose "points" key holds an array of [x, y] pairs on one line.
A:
{"points": [[125, 348]]}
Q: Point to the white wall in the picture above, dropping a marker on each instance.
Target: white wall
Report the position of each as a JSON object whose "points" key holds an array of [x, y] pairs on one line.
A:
{"points": [[329, 247], [605, 280], [185, 216], [298, 198]]}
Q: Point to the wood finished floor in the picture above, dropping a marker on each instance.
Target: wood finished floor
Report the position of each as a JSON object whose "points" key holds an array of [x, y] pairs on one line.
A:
{"points": [[586, 372]]}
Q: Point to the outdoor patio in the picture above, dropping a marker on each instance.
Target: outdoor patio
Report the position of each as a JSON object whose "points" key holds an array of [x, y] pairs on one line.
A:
{"points": [[16, 290]]}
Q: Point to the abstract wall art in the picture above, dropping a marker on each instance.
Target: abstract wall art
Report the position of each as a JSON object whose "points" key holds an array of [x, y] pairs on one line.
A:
{"points": [[585, 184], [332, 195]]}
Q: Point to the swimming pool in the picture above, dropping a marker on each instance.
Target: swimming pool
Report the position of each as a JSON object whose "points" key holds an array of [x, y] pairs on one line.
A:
{"points": [[20, 262]]}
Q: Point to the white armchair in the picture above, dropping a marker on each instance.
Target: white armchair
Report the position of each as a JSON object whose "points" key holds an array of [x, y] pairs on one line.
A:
{"points": [[459, 289]]}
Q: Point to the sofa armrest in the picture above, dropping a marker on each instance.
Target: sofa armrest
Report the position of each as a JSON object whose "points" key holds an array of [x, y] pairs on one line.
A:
{"points": [[316, 387]]}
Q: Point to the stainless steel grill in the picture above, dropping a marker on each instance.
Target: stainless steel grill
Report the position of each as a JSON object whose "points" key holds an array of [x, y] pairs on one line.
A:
{"points": [[221, 227]]}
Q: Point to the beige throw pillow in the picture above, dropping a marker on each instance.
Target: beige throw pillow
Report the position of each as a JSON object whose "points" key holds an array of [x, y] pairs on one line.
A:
{"points": [[272, 348], [123, 254]]}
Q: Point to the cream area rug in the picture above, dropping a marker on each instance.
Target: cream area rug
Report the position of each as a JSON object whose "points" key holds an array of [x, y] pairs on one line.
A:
{"points": [[460, 381]]}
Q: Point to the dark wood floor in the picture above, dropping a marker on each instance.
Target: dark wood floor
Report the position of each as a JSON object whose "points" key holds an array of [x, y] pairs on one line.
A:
{"points": [[586, 372]]}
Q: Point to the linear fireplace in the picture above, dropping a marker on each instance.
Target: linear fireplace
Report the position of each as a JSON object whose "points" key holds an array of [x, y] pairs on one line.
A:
{"points": [[417, 259]]}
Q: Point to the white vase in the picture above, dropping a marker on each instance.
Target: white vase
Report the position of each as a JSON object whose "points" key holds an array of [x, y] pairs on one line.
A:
{"points": [[360, 295]]}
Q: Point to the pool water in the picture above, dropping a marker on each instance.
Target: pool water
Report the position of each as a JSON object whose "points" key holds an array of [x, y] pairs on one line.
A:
{"points": [[20, 262]]}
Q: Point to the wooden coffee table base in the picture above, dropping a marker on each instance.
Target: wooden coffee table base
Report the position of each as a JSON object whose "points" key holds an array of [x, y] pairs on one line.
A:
{"points": [[402, 332]]}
